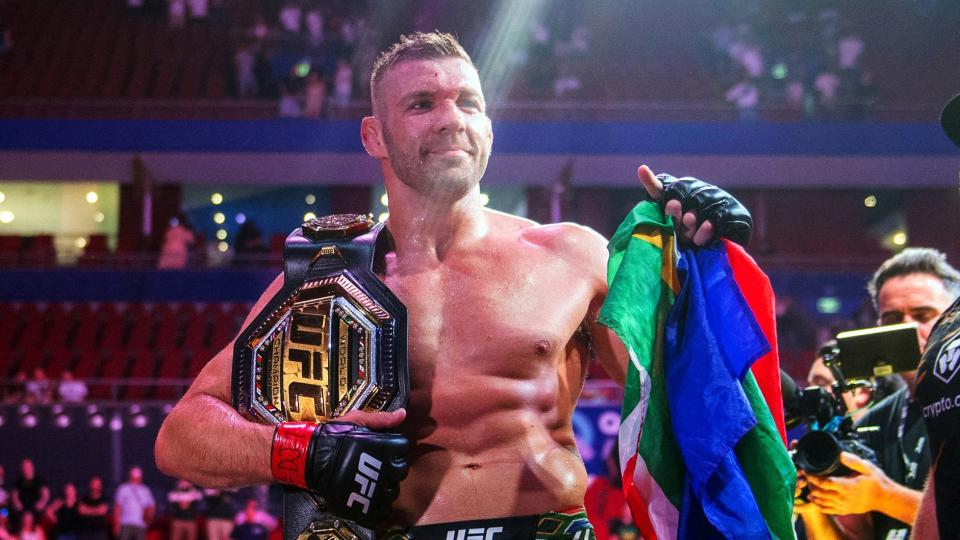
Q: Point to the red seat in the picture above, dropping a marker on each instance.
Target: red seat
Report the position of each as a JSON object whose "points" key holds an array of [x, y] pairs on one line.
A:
{"points": [[40, 251], [198, 359], [88, 362], [144, 366]]}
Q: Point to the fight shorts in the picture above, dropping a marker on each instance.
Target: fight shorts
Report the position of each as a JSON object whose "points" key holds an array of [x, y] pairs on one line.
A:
{"points": [[569, 524]]}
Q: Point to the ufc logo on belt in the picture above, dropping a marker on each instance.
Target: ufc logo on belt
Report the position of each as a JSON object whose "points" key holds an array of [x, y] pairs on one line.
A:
{"points": [[474, 534], [367, 475]]}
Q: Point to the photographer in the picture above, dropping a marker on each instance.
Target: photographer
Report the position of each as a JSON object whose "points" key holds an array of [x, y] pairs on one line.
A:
{"points": [[880, 501]]}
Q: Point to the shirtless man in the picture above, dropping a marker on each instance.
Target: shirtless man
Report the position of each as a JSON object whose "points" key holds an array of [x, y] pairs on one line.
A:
{"points": [[501, 315]]}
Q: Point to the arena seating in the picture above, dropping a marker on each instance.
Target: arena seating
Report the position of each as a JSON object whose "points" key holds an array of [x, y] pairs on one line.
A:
{"points": [[134, 66], [122, 349]]}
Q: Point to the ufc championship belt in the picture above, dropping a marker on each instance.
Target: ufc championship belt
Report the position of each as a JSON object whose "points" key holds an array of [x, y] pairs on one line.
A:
{"points": [[333, 340]]}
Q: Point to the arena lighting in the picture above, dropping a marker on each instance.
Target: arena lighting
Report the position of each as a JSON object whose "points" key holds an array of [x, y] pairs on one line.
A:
{"points": [[81, 242], [60, 417], [98, 217], [308, 216], [508, 33], [302, 68], [7, 216], [828, 305], [870, 201], [92, 197], [310, 198], [137, 418], [167, 407], [383, 217], [3, 196], [222, 247], [95, 417], [221, 234], [116, 423], [383, 199], [484, 199], [216, 198], [899, 238], [27, 418], [219, 218], [241, 218]]}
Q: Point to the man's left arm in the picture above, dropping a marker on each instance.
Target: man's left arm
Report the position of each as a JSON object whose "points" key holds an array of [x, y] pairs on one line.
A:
{"points": [[701, 213]]}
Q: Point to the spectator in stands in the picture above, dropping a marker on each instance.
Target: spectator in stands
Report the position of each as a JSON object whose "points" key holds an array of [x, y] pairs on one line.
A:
{"points": [[263, 72], [199, 10], [93, 510], [30, 492], [6, 39], [745, 95], [827, 85], [4, 496], [29, 528], [290, 96], [177, 241], [243, 63], [253, 523], [315, 93], [134, 507], [248, 245], [342, 84], [176, 13], [64, 513], [5, 533], [39, 388], [184, 507], [16, 392], [314, 23], [849, 49], [70, 389], [289, 16], [259, 29], [220, 513]]}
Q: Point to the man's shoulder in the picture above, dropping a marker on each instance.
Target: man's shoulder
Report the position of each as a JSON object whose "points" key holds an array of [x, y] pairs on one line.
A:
{"points": [[567, 238]]}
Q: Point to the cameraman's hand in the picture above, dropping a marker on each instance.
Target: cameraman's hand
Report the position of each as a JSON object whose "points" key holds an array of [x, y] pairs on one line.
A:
{"points": [[800, 505], [857, 494]]}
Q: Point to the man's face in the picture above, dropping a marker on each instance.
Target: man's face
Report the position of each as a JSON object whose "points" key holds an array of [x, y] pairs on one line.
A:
{"points": [[27, 468], [96, 484], [434, 125], [136, 475], [917, 297]]}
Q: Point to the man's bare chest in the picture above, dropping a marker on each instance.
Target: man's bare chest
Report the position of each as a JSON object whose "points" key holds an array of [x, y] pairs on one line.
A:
{"points": [[491, 318]]}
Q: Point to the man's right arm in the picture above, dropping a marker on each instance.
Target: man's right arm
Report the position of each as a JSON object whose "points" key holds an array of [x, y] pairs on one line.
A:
{"points": [[204, 440]]}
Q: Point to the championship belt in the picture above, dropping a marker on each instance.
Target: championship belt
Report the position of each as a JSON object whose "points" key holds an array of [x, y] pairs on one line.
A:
{"points": [[333, 340]]}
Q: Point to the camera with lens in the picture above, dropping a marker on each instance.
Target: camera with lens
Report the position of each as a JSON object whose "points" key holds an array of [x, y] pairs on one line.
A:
{"points": [[831, 431], [855, 359]]}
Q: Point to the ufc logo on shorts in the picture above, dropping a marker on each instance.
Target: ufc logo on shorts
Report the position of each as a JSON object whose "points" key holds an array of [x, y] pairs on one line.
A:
{"points": [[474, 534], [367, 475]]}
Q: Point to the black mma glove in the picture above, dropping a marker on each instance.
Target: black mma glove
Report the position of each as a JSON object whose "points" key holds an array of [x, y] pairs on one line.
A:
{"points": [[355, 470], [730, 219]]}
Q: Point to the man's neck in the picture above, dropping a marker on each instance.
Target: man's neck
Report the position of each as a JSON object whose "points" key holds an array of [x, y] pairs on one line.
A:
{"points": [[426, 230]]}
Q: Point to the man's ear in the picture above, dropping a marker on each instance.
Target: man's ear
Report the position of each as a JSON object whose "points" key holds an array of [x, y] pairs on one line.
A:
{"points": [[371, 133]]}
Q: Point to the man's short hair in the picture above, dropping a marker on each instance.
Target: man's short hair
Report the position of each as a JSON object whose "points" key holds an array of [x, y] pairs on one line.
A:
{"points": [[915, 261], [416, 46]]}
